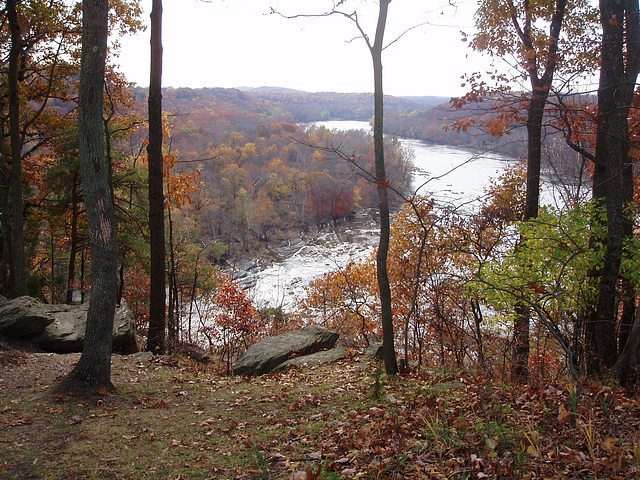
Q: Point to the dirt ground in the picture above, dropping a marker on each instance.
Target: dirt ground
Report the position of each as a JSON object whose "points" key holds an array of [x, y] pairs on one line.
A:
{"points": [[19, 370]]}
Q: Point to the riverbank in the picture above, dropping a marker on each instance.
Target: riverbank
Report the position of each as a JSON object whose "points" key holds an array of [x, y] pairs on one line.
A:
{"points": [[275, 276]]}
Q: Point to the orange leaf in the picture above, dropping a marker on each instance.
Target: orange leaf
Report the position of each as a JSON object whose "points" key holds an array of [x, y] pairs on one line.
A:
{"points": [[384, 184]]}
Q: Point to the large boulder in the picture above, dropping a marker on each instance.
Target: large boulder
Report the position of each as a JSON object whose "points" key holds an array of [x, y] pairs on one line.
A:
{"points": [[61, 328], [264, 356], [318, 358], [66, 333], [24, 317]]}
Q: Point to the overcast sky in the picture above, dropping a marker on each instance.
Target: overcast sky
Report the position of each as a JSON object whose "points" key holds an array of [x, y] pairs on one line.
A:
{"points": [[233, 43]]}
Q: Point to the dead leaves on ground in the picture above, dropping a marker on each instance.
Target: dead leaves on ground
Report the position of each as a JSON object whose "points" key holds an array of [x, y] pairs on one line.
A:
{"points": [[477, 429], [313, 423]]}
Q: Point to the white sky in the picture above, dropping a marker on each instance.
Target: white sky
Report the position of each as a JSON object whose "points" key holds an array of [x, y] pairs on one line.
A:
{"points": [[233, 43]]}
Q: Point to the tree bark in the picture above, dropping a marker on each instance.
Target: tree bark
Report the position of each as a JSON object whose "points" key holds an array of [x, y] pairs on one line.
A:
{"points": [[93, 370], [18, 265], [388, 347], [157, 307], [620, 64]]}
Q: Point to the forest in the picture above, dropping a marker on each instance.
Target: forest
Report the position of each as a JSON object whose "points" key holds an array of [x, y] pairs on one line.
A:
{"points": [[114, 194]]}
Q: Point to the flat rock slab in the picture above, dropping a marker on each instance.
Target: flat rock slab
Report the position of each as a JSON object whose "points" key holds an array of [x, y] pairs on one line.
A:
{"points": [[267, 354]]}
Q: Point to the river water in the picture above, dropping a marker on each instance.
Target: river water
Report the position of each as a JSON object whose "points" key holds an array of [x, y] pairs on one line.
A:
{"points": [[447, 174]]}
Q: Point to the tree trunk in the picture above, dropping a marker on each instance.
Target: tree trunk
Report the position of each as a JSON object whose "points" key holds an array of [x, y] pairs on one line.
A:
{"points": [[157, 307], [93, 370], [535, 117], [627, 368], [388, 348], [6, 265], [620, 64], [73, 250], [173, 291], [18, 265], [540, 88], [628, 288]]}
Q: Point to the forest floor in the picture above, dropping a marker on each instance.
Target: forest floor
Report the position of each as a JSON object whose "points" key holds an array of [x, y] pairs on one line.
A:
{"points": [[173, 419]]}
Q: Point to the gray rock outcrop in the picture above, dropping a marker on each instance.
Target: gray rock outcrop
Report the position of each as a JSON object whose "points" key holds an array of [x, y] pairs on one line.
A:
{"points": [[374, 351], [61, 328], [264, 356], [325, 356], [24, 317]]}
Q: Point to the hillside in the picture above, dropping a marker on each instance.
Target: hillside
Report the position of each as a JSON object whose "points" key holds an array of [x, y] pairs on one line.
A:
{"points": [[422, 118], [283, 104]]}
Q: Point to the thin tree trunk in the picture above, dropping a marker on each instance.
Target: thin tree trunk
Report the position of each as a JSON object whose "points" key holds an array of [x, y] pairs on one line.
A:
{"points": [[93, 371], [628, 289], [627, 368], [521, 326], [388, 348], [7, 265], [477, 319], [18, 274], [75, 214], [52, 279], [157, 307], [83, 258], [540, 88], [173, 291]]}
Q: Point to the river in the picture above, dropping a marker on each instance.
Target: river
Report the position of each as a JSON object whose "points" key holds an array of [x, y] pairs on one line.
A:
{"points": [[446, 173]]}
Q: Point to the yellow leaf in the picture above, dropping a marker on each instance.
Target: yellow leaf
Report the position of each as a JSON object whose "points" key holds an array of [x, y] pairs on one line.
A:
{"points": [[531, 450]]}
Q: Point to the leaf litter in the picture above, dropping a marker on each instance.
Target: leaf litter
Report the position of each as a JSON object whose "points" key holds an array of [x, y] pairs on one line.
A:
{"points": [[173, 419]]}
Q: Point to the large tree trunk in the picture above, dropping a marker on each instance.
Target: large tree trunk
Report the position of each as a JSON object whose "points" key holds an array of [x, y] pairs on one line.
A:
{"points": [[388, 347], [157, 308], [620, 64], [93, 370], [18, 268]]}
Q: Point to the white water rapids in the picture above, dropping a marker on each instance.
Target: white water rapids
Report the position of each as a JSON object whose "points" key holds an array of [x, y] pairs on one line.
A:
{"points": [[447, 173]]}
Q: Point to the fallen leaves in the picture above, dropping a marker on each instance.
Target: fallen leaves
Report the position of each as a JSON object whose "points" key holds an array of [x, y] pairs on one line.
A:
{"points": [[15, 422], [229, 428], [146, 403]]}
